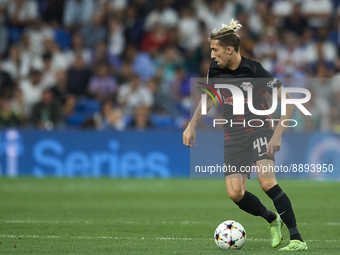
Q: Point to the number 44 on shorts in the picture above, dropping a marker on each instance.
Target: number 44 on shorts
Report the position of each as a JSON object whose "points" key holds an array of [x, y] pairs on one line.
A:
{"points": [[260, 143]]}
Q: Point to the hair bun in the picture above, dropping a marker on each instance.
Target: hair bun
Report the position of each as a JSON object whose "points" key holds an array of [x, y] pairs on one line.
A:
{"points": [[234, 25]]}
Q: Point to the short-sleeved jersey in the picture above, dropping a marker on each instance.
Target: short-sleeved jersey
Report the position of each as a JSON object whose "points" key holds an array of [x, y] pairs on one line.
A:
{"points": [[250, 73]]}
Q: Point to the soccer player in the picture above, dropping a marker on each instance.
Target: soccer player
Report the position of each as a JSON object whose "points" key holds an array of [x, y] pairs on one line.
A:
{"points": [[244, 145]]}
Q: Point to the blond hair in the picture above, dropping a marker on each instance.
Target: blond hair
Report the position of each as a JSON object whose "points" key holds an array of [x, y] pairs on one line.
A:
{"points": [[227, 35]]}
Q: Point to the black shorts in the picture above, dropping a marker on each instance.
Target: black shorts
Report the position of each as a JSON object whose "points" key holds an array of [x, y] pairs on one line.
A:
{"points": [[240, 154]]}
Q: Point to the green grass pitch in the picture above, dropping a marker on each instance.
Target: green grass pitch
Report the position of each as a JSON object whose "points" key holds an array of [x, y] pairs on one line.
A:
{"points": [[176, 216]]}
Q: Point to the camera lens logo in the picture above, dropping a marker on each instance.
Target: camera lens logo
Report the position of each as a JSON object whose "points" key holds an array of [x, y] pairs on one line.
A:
{"points": [[204, 99]]}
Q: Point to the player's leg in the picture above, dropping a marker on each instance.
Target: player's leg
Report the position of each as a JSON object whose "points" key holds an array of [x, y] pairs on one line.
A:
{"points": [[246, 201], [238, 156], [259, 142], [281, 201], [267, 180]]}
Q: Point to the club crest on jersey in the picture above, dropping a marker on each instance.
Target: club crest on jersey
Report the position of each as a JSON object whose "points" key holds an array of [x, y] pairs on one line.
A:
{"points": [[270, 84], [246, 85]]}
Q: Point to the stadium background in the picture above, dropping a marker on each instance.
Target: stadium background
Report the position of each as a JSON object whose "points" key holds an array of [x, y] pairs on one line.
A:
{"points": [[79, 78], [94, 88]]}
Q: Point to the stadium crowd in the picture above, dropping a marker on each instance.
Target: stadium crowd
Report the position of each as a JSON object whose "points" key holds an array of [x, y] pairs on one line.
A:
{"points": [[127, 64]]}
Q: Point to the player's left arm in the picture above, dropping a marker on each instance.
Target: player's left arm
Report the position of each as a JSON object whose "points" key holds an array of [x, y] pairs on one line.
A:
{"points": [[275, 142]]}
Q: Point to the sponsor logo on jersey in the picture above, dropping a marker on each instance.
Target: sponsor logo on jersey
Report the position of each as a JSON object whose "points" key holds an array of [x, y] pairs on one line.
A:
{"points": [[230, 100], [270, 84]]}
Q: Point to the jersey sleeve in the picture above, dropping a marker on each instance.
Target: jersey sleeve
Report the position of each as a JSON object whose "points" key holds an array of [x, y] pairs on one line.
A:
{"points": [[269, 81], [211, 78]]}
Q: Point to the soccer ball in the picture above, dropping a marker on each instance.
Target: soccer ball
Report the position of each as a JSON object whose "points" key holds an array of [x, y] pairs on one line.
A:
{"points": [[230, 235]]}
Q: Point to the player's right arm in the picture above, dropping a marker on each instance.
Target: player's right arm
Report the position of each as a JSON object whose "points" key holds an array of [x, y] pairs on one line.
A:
{"points": [[190, 132]]}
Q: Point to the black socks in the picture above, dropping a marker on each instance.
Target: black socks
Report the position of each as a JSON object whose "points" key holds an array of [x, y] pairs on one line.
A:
{"points": [[284, 208], [251, 204]]}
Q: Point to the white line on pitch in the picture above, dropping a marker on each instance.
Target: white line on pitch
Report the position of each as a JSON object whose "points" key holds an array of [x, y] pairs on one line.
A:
{"points": [[45, 221], [333, 223], [141, 222], [141, 238]]}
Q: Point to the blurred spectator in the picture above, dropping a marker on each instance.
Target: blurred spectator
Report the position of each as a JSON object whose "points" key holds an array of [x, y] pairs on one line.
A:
{"points": [[323, 48], [48, 79], [59, 60], [18, 104], [204, 67], [336, 78], [308, 122], [155, 39], [267, 48], [17, 66], [124, 74], [37, 33], [77, 47], [78, 77], [133, 26], [61, 36], [24, 47], [290, 53], [6, 83], [141, 118], [3, 10], [77, 13], [4, 38], [295, 22], [8, 118], [22, 12], [306, 38], [194, 59], [117, 5], [259, 17], [94, 31], [173, 39], [216, 12], [109, 117], [247, 5], [47, 113], [335, 119], [32, 90], [163, 104], [116, 37], [102, 85], [166, 65], [321, 85], [322, 89], [188, 29], [161, 14], [54, 11], [69, 107], [317, 12], [179, 86], [133, 94], [282, 8], [162, 44], [142, 63], [247, 37], [101, 54], [111, 6], [60, 87]]}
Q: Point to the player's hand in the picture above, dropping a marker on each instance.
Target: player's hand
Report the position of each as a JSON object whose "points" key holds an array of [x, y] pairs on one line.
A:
{"points": [[273, 146], [188, 134]]}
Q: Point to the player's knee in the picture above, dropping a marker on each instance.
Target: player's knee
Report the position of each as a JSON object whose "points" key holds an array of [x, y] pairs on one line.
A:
{"points": [[267, 184], [236, 195]]}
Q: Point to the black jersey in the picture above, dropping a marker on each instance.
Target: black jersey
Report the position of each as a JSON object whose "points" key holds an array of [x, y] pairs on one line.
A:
{"points": [[249, 73]]}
